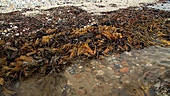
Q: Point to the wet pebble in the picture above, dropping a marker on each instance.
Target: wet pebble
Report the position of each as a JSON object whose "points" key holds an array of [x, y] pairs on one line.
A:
{"points": [[17, 34], [78, 76], [124, 70], [118, 66], [101, 66], [80, 67], [100, 72]]}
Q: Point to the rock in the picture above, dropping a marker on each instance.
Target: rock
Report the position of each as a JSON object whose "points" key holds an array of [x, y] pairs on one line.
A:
{"points": [[124, 70], [162, 68], [99, 77], [78, 76], [117, 55], [118, 66], [100, 72], [149, 64], [117, 73], [101, 66], [117, 77], [128, 53], [113, 5], [15, 27], [124, 63], [139, 72], [110, 58], [109, 68], [17, 34], [80, 67], [125, 79], [81, 92], [1, 81], [94, 62], [88, 69]]}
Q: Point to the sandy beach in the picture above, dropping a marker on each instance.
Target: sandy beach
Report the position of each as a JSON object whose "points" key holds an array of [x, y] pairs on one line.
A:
{"points": [[88, 5]]}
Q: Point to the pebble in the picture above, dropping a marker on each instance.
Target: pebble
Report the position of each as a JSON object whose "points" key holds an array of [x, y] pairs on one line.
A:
{"points": [[99, 77], [117, 55], [162, 68], [78, 76], [109, 68], [101, 66], [88, 69], [3, 33], [5, 30], [1, 81], [17, 34], [15, 27], [17, 85], [94, 62], [100, 72], [117, 73], [81, 92], [124, 70], [128, 53], [80, 67], [117, 77], [110, 58], [148, 64], [124, 63], [137, 64], [125, 79], [118, 66]]}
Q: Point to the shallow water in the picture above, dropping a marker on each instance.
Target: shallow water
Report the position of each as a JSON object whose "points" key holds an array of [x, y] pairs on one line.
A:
{"points": [[104, 77]]}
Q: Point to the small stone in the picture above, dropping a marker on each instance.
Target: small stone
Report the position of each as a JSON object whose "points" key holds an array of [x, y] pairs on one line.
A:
{"points": [[80, 67], [137, 64], [94, 62], [1, 81], [17, 34], [81, 92], [117, 73], [81, 87], [137, 54], [125, 79], [162, 68], [15, 27], [148, 64], [3, 33], [118, 66], [111, 84], [101, 66], [117, 55], [85, 76], [100, 72], [17, 85], [5, 30], [109, 59], [113, 5], [109, 68], [117, 77], [128, 53], [124, 63], [88, 69], [99, 77], [124, 70], [78, 76]]}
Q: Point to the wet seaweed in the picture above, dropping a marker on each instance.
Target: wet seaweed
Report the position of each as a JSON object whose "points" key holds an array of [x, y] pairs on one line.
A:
{"points": [[47, 43]]}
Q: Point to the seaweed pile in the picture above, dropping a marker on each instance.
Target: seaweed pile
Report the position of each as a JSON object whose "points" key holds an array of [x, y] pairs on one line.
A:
{"points": [[47, 43]]}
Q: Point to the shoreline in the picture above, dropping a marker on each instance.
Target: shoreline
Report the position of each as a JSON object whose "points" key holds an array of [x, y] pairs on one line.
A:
{"points": [[88, 6]]}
